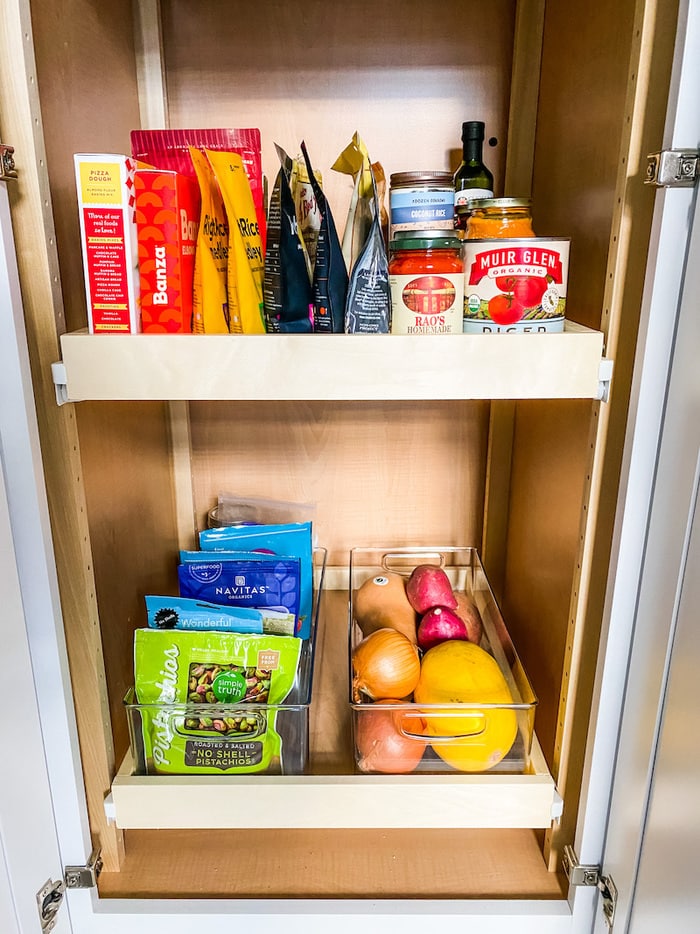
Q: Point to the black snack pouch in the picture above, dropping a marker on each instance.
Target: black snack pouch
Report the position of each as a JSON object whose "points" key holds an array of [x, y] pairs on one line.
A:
{"points": [[287, 291], [368, 306], [330, 277]]}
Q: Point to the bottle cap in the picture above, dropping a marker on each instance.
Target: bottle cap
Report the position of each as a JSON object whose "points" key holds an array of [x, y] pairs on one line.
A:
{"points": [[473, 129]]}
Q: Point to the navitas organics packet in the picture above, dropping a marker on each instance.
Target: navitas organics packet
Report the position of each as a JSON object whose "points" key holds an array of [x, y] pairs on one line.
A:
{"points": [[245, 269], [293, 539], [330, 277], [214, 695], [170, 149], [210, 298], [269, 581], [185, 613], [287, 279]]}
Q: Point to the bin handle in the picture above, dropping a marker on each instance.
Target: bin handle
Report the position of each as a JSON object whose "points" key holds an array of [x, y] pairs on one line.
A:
{"points": [[440, 737], [403, 555]]}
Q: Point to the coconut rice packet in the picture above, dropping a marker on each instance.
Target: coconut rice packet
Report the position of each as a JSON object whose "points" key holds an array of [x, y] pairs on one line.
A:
{"points": [[210, 699]]}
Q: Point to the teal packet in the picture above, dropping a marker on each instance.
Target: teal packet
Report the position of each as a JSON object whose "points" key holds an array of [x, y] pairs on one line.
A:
{"points": [[188, 614], [214, 697], [272, 582], [291, 539]]}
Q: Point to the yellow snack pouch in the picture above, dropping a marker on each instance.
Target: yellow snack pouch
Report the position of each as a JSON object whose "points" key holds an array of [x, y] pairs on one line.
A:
{"points": [[210, 300], [245, 258]]}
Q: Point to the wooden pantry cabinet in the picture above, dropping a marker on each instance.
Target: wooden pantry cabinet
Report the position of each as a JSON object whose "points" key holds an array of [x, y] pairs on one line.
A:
{"points": [[512, 444]]}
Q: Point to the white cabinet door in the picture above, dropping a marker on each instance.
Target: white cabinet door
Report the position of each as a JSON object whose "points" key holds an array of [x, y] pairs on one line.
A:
{"points": [[654, 822], [29, 850]]}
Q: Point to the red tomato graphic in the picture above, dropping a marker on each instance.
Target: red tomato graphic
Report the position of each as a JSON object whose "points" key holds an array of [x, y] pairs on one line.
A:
{"points": [[504, 309], [506, 283], [529, 291]]}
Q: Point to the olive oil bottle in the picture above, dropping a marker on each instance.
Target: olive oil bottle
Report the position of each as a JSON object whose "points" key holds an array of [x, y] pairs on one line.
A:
{"points": [[472, 179]]}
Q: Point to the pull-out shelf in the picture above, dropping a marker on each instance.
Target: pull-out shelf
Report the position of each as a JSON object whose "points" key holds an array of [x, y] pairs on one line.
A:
{"points": [[339, 367], [331, 796]]}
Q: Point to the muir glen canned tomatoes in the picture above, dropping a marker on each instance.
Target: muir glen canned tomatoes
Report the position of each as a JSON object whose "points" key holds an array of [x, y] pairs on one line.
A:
{"points": [[426, 277], [515, 285]]}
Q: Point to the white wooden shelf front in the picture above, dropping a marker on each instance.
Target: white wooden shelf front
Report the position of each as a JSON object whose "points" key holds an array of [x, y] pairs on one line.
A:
{"points": [[330, 367], [334, 801]]}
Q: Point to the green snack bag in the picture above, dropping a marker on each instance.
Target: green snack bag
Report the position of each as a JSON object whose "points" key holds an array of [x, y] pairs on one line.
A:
{"points": [[213, 697]]}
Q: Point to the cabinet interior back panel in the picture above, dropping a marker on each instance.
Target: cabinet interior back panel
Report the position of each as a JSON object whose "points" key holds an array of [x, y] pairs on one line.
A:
{"points": [[378, 472], [405, 76]]}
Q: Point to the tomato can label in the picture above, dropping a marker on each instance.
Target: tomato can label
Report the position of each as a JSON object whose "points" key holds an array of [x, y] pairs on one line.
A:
{"points": [[515, 285], [427, 304]]}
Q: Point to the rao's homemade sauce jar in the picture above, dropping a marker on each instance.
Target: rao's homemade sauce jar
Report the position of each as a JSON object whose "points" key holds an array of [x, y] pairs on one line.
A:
{"points": [[426, 277]]}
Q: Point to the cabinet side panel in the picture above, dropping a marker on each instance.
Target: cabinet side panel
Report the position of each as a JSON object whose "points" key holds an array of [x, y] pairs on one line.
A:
{"points": [[550, 455], [404, 76], [128, 489], [86, 74], [379, 472], [581, 116]]}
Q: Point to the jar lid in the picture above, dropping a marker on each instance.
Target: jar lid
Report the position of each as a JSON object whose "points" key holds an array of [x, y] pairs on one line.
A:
{"points": [[499, 203], [426, 243], [423, 234], [404, 179]]}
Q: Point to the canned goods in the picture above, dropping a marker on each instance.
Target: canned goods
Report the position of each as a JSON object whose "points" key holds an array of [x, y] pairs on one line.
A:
{"points": [[420, 201], [515, 284], [426, 277], [496, 218]]}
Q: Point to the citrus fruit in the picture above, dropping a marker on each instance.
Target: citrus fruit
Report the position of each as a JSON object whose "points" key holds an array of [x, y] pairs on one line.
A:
{"points": [[457, 672]]}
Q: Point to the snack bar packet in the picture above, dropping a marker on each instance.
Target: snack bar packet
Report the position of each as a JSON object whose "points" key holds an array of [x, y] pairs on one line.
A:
{"points": [[214, 697], [293, 539], [245, 250], [235, 509], [330, 277], [170, 149], [184, 613], [287, 279], [308, 214], [354, 161], [209, 298], [368, 306], [269, 581]]}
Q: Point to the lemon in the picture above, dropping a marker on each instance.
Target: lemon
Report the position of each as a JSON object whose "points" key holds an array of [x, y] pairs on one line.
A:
{"points": [[459, 672]]}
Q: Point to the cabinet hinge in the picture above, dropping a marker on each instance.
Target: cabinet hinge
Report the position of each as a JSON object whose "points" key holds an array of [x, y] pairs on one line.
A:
{"points": [[84, 877], [579, 874], [50, 896], [7, 163], [673, 168]]}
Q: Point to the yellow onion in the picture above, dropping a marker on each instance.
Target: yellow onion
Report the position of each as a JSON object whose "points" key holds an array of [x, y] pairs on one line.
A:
{"points": [[385, 664], [381, 744]]}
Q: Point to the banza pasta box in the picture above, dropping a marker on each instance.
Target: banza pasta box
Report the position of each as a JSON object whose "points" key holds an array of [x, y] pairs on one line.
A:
{"points": [[515, 285]]}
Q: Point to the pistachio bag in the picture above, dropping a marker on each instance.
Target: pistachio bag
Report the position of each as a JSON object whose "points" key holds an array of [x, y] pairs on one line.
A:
{"points": [[213, 697]]}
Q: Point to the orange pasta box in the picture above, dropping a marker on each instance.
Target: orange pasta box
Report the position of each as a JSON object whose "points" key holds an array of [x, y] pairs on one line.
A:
{"points": [[106, 202], [167, 219]]}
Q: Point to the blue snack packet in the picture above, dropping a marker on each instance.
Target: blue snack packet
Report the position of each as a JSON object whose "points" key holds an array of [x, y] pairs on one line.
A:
{"points": [[289, 539], [252, 584], [188, 614]]}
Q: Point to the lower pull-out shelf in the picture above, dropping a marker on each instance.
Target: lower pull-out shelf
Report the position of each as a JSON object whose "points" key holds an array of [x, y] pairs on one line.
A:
{"points": [[331, 796], [334, 801]]}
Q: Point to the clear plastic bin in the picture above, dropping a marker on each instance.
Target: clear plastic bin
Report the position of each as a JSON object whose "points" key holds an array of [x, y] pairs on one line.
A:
{"points": [[464, 733], [237, 732]]}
